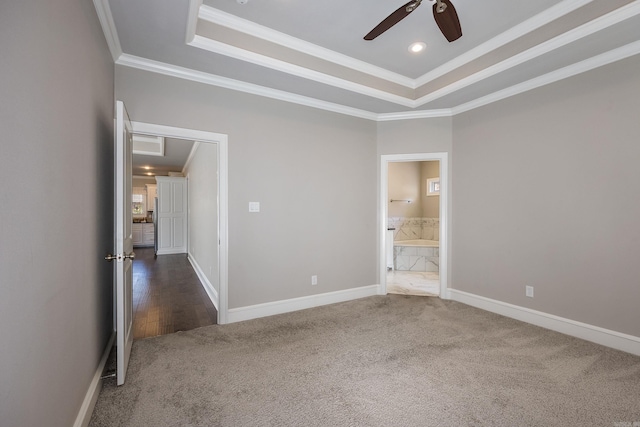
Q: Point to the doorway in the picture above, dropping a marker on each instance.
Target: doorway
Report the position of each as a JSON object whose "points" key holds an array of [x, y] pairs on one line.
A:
{"points": [[212, 275], [417, 234]]}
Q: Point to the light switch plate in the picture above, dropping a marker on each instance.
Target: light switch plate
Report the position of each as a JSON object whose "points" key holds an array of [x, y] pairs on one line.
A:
{"points": [[254, 206]]}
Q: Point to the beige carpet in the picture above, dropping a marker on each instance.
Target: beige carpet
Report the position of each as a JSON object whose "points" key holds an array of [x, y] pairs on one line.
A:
{"points": [[381, 361]]}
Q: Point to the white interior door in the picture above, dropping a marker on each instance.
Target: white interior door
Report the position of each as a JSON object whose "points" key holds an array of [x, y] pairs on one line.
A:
{"points": [[124, 241]]}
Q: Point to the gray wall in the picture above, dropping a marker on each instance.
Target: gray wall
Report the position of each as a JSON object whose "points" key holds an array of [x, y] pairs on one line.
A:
{"points": [[313, 172], [202, 174], [546, 189], [56, 170]]}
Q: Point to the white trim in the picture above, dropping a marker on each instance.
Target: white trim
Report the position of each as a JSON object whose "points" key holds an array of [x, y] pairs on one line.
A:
{"points": [[385, 159], [170, 251], [223, 196], [192, 20], [552, 77], [557, 11], [410, 115], [223, 231], [228, 20], [598, 335], [210, 79], [206, 284], [553, 44], [301, 303], [296, 70], [192, 153], [91, 397], [108, 27]]}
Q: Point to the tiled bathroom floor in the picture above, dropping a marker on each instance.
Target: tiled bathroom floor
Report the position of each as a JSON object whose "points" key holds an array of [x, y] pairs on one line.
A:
{"points": [[413, 283]]}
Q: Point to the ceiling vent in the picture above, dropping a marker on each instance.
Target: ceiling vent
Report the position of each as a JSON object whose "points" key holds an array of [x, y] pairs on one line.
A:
{"points": [[148, 145]]}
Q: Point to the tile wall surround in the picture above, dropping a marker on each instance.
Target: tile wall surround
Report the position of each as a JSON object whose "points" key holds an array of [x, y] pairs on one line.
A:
{"points": [[415, 258], [414, 228]]}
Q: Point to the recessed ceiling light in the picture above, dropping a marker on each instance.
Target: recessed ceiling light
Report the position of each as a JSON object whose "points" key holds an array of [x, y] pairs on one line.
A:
{"points": [[417, 47], [146, 167]]}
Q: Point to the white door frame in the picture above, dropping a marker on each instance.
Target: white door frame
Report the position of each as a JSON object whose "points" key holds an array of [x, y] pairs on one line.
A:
{"points": [[222, 304], [385, 159]]}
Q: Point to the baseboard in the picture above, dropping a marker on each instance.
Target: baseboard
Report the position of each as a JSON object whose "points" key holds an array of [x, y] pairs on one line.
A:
{"points": [[596, 334], [208, 287], [294, 304], [171, 251], [89, 402]]}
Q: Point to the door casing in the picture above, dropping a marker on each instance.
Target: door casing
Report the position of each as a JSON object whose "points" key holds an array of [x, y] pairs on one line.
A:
{"points": [[443, 158], [222, 305]]}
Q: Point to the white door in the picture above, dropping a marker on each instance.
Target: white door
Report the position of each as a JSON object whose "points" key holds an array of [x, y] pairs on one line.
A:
{"points": [[124, 241]]}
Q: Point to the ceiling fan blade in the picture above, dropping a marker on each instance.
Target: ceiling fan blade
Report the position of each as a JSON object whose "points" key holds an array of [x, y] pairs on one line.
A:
{"points": [[447, 20], [393, 19]]}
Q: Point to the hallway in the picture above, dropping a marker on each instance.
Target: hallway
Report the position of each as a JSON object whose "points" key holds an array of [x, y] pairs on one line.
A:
{"points": [[167, 296]]}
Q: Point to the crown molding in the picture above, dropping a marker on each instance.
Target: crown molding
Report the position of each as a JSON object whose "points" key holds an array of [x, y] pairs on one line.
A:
{"points": [[603, 59], [224, 82], [625, 12], [192, 20], [411, 115], [108, 27], [296, 70], [228, 20], [551, 14]]}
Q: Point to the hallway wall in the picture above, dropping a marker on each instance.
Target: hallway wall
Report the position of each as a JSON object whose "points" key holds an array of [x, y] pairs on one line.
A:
{"points": [[202, 173]]}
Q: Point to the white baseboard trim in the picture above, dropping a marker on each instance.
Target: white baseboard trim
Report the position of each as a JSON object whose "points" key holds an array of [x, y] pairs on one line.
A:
{"points": [[171, 251], [596, 334], [294, 304], [208, 287], [89, 402]]}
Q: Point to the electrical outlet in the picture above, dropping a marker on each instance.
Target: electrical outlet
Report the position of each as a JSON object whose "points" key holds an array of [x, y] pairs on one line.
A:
{"points": [[528, 291], [314, 280]]}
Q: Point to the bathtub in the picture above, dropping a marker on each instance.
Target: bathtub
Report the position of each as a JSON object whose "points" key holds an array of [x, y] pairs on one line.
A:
{"points": [[416, 255], [417, 243]]}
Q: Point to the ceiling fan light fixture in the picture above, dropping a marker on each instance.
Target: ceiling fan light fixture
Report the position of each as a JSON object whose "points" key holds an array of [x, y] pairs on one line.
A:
{"points": [[440, 6], [417, 47]]}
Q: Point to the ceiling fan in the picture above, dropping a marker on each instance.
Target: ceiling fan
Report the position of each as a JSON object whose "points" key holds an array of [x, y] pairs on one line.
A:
{"points": [[443, 12]]}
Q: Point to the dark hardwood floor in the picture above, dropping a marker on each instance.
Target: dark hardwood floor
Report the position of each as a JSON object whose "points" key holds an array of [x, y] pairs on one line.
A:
{"points": [[167, 296]]}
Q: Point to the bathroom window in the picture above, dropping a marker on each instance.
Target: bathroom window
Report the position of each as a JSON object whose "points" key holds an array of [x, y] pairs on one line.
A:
{"points": [[433, 186]]}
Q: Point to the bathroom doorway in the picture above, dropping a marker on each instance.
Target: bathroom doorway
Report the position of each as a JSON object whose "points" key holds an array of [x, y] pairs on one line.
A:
{"points": [[413, 212]]}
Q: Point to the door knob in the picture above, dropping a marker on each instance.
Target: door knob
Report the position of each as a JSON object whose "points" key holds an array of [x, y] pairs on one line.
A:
{"points": [[110, 257]]}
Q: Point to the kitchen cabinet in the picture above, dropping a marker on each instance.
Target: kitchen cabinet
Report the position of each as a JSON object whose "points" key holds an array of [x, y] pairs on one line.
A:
{"points": [[136, 231], [147, 234], [142, 234], [152, 193]]}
